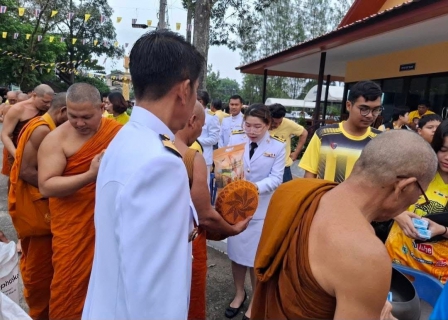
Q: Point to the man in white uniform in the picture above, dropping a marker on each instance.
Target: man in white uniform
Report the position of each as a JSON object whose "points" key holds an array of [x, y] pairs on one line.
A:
{"points": [[210, 132], [143, 216], [232, 123]]}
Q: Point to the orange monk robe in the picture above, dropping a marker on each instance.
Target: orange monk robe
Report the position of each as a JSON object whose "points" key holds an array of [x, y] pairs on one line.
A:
{"points": [[286, 287], [6, 168], [197, 307], [29, 213], [73, 231]]}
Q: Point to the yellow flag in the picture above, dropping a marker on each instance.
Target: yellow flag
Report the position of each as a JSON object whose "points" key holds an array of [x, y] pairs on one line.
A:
{"points": [[53, 13], [86, 17], [33, 66], [74, 40], [28, 36], [116, 43], [51, 38], [177, 26], [48, 70], [21, 12], [4, 34], [149, 22], [52, 64], [119, 19], [95, 42]]}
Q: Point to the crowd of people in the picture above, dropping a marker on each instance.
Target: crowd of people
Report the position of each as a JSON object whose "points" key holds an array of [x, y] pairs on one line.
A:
{"points": [[114, 210]]}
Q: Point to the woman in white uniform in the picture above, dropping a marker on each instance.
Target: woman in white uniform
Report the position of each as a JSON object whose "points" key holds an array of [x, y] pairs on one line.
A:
{"points": [[264, 164]]}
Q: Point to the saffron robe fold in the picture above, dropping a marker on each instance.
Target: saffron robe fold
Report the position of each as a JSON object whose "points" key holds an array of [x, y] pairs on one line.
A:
{"points": [[30, 215], [73, 230], [287, 288]]}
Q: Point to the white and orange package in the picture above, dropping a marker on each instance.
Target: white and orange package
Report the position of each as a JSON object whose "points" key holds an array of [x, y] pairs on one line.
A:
{"points": [[229, 165]]}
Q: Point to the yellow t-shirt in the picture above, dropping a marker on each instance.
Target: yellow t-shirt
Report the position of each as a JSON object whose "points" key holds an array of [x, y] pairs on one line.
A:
{"points": [[221, 115], [332, 152], [122, 118], [286, 130], [414, 114], [197, 146], [429, 257]]}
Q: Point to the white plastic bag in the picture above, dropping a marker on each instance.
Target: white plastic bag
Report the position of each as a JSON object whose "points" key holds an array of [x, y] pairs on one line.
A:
{"points": [[9, 271], [11, 311]]}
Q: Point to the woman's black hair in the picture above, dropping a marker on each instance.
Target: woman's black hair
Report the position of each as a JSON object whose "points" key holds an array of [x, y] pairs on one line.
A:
{"points": [[259, 110], [119, 105]]}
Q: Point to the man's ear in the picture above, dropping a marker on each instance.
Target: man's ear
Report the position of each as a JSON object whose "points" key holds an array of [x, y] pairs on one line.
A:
{"points": [[348, 105], [63, 110], [192, 120], [103, 106], [185, 91], [402, 184]]}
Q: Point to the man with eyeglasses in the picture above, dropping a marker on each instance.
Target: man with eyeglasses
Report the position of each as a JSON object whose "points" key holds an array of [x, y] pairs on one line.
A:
{"points": [[334, 149]]}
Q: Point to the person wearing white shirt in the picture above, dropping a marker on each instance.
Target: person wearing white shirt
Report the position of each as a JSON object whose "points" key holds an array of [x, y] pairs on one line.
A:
{"points": [[232, 123], [210, 132], [144, 218]]}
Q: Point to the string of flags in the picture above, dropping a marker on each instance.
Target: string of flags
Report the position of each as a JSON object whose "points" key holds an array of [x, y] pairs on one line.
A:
{"points": [[71, 15], [95, 42]]}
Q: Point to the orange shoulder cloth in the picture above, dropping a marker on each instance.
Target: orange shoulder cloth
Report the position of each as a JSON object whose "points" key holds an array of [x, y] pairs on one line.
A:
{"points": [[28, 209], [286, 287]]}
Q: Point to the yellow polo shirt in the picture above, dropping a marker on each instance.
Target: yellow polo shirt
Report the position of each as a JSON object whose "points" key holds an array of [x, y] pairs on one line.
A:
{"points": [[221, 115], [286, 130], [414, 114]]}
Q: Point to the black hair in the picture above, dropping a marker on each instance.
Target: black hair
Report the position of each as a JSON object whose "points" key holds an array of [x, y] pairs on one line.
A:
{"points": [[217, 104], [204, 96], [237, 97], [277, 110], [104, 95], [399, 112], [439, 135], [369, 90], [119, 105], [259, 110], [161, 59], [428, 118], [425, 103]]}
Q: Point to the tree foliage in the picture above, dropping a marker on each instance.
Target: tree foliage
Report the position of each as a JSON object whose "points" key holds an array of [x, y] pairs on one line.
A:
{"points": [[41, 27], [221, 88]]}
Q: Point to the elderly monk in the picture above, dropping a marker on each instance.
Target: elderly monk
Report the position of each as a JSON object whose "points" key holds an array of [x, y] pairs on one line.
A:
{"points": [[29, 210], [318, 256], [68, 165], [12, 99], [209, 219]]}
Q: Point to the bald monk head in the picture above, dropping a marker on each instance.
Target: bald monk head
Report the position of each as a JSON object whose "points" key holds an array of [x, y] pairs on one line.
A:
{"points": [[12, 97], [42, 97], [84, 108], [58, 108], [22, 97], [193, 128]]}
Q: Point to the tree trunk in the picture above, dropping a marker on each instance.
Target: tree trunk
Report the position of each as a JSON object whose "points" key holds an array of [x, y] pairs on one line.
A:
{"points": [[189, 19], [201, 34]]}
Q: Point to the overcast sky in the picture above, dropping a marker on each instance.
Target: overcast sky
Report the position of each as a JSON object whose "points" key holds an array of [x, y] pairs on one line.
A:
{"points": [[223, 59]]}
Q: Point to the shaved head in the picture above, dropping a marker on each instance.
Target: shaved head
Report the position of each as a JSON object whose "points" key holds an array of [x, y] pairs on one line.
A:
{"points": [[198, 111], [12, 94], [42, 90], [59, 101], [393, 153], [84, 93], [22, 97]]}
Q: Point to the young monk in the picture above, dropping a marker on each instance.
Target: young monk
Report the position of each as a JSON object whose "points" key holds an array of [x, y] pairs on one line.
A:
{"points": [[29, 210], [209, 219], [69, 159], [318, 256]]}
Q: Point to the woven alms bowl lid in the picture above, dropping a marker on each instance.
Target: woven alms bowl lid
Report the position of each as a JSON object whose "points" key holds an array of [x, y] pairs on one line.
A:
{"points": [[237, 201]]}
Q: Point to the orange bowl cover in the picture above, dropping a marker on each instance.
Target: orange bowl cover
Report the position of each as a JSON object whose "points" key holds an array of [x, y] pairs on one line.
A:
{"points": [[237, 201]]}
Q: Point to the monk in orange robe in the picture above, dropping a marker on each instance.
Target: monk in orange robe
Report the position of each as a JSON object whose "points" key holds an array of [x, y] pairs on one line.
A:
{"points": [[69, 159], [30, 212], [318, 256], [209, 219]]}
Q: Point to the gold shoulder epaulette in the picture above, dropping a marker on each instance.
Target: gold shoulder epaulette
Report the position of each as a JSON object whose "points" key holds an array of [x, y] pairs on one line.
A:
{"points": [[278, 139], [210, 112], [169, 145], [238, 132]]}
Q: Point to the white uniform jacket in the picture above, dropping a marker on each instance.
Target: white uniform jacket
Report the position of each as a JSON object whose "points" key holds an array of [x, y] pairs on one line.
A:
{"points": [[209, 136], [143, 219], [228, 125]]}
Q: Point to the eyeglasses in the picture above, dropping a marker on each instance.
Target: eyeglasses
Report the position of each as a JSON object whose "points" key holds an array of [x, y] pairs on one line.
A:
{"points": [[421, 190], [364, 110]]}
